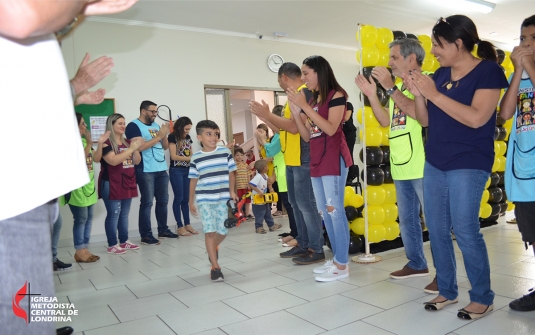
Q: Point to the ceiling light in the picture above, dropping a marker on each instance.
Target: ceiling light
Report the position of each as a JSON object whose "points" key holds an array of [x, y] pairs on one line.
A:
{"points": [[479, 5], [493, 33]]}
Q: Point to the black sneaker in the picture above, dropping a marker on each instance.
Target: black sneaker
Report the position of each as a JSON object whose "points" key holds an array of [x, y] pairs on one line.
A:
{"points": [[216, 275], [149, 240], [310, 258], [294, 252], [524, 304], [167, 234], [59, 265]]}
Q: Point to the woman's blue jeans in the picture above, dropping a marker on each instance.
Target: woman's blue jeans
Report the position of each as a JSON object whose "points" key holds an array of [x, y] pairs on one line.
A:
{"points": [[180, 184], [329, 191], [81, 229], [116, 217], [452, 200]]}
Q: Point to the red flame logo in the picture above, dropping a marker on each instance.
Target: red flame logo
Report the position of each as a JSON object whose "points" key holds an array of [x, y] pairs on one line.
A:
{"points": [[17, 310]]}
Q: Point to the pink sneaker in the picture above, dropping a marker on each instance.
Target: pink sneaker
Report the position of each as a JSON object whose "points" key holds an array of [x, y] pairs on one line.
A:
{"points": [[129, 246], [116, 250]]}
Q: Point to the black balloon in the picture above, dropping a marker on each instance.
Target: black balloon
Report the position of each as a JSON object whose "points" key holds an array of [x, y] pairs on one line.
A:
{"points": [[399, 35], [381, 95], [495, 195], [499, 121], [495, 209], [374, 155], [414, 37], [375, 176], [501, 55], [494, 179], [504, 197], [502, 133], [355, 243], [501, 182], [386, 154], [491, 218], [503, 207], [496, 133], [351, 213], [367, 73], [388, 174]]}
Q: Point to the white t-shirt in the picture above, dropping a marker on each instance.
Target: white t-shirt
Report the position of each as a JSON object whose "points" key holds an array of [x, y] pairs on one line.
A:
{"points": [[41, 155], [259, 181]]}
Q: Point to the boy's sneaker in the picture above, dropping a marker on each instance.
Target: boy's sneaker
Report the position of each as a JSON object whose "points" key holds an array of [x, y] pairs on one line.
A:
{"points": [[167, 234], [116, 250], [149, 240], [524, 304], [59, 265], [129, 245], [275, 227], [332, 274], [294, 252], [216, 275], [310, 258], [407, 272], [324, 267]]}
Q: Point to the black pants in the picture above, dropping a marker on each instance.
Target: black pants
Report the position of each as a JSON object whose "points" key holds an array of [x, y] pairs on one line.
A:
{"points": [[351, 138]]}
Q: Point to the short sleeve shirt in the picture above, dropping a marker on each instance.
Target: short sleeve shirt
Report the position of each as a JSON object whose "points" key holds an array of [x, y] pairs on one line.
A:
{"points": [[183, 148]]}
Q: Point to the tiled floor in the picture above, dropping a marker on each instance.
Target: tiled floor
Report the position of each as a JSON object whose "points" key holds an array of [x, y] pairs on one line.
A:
{"points": [[166, 290]]}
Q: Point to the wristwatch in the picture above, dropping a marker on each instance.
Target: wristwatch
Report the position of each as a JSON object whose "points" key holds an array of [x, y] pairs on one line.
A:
{"points": [[391, 91]]}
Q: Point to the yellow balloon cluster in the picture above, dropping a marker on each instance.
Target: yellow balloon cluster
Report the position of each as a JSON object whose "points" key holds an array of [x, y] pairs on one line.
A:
{"points": [[500, 149]]}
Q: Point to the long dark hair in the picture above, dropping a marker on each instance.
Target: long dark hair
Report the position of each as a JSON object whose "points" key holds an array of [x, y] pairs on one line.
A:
{"points": [[178, 127], [326, 79], [462, 27]]}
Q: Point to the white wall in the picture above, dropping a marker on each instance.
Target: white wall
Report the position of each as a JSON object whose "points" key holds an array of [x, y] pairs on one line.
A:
{"points": [[171, 67]]}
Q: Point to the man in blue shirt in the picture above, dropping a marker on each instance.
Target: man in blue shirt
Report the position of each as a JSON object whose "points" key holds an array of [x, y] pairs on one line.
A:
{"points": [[151, 173]]}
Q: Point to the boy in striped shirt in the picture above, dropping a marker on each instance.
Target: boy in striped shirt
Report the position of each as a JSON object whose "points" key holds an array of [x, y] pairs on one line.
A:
{"points": [[212, 182]]}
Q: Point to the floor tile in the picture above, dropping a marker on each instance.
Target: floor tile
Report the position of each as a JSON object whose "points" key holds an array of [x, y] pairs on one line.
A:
{"points": [[142, 308], [275, 323], [363, 275], [206, 294], [255, 267], [201, 318], [358, 327], [385, 295], [507, 286], [101, 297], [500, 322], [520, 269], [150, 325], [263, 302], [334, 311], [259, 281], [312, 290], [154, 287], [91, 318]]}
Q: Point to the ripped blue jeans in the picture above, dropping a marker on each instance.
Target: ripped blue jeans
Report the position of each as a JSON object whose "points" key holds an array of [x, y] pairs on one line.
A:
{"points": [[116, 217], [329, 191]]}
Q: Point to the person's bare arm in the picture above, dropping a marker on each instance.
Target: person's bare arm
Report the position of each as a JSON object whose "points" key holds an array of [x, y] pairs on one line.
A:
{"points": [[262, 111], [192, 186], [519, 56]]}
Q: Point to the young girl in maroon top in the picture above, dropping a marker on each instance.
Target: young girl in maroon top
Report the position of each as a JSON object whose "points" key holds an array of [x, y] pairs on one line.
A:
{"points": [[320, 122]]}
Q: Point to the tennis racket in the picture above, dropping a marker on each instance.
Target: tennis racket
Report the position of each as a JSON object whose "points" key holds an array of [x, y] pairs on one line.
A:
{"points": [[166, 112]]}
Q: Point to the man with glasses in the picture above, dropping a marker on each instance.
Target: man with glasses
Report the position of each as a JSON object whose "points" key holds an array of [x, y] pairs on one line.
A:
{"points": [[151, 173]]}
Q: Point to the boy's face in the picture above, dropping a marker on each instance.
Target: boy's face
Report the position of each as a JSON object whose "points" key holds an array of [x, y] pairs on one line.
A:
{"points": [[238, 157], [209, 138], [527, 38]]}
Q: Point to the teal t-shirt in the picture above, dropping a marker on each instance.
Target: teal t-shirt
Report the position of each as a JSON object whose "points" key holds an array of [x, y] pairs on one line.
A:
{"points": [[407, 155]]}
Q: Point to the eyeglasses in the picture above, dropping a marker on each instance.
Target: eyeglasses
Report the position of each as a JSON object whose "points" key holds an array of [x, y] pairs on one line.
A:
{"points": [[442, 20], [155, 112]]}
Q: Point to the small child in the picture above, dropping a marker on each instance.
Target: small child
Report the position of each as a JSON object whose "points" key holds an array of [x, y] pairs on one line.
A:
{"points": [[259, 184], [243, 176], [212, 181]]}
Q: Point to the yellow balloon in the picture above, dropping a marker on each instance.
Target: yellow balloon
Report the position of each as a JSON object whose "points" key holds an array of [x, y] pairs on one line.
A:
{"points": [[384, 57], [374, 136], [485, 210], [497, 148], [392, 230], [428, 64], [390, 191], [386, 140], [368, 35], [507, 60], [501, 166], [436, 64], [502, 148], [357, 226], [355, 200], [391, 212], [426, 43], [376, 215], [370, 56], [376, 195], [384, 37], [485, 197], [371, 120], [376, 233], [510, 206], [487, 184], [496, 164]]}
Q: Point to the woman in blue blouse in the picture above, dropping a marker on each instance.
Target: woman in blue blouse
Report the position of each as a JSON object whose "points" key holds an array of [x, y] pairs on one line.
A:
{"points": [[458, 104]]}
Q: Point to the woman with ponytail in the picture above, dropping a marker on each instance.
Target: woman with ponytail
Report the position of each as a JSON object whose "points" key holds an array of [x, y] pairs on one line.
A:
{"points": [[458, 104], [117, 181]]}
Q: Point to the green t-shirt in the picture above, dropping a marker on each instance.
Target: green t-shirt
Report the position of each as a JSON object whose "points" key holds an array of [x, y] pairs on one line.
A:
{"points": [[407, 156], [86, 195]]}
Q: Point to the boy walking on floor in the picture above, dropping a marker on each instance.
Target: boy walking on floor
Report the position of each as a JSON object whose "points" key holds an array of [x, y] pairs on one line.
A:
{"points": [[212, 182], [259, 185]]}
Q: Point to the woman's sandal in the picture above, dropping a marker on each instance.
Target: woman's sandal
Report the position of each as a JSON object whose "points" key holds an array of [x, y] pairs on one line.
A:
{"points": [[435, 306], [191, 230], [466, 315], [183, 232], [90, 259]]}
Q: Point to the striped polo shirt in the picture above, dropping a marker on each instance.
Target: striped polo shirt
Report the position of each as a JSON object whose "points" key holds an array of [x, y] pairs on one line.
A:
{"points": [[212, 169]]}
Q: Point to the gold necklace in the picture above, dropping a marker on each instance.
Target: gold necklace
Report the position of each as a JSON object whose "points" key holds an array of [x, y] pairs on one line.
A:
{"points": [[449, 84]]}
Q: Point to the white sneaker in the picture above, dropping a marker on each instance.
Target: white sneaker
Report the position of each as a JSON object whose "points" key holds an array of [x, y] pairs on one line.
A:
{"points": [[332, 274], [116, 250], [324, 267]]}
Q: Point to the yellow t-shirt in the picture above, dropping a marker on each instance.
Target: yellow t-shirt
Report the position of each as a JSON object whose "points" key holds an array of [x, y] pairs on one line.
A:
{"points": [[291, 143]]}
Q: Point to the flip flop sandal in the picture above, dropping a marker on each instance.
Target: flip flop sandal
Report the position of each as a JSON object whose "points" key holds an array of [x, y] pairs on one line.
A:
{"points": [[191, 230], [183, 232]]}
